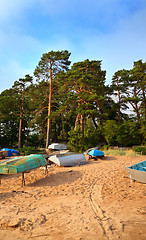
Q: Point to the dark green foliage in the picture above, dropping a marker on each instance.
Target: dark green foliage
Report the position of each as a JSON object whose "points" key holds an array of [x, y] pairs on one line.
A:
{"points": [[119, 89], [83, 109], [79, 142], [27, 150], [140, 149], [110, 131], [105, 147], [128, 134], [33, 140], [84, 88], [59, 61], [9, 121], [142, 132], [20, 89], [136, 94], [50, 65]]}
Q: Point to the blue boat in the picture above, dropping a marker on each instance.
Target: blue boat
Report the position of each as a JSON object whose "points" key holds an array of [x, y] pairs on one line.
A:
{"points": [[137, 172], [96, 153], [10, 152]]}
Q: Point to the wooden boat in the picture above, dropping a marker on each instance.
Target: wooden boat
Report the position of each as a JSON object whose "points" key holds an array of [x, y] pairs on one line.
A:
{"points": [[22, 164], [68, 159], [137, 172]]}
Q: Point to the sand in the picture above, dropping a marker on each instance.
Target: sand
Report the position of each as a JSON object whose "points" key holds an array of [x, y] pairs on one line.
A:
{"points": [[92, 201]]}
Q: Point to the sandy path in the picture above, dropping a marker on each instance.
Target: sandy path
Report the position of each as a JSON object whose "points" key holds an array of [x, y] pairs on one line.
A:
{"points": [[93, 201]]}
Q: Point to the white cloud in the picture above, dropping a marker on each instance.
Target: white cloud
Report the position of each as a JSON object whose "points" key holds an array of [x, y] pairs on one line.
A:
{"points": [[118, 45], [13, 70]]}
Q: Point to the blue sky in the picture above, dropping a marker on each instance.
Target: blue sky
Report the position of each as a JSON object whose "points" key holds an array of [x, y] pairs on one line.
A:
{"points": [[113, 31]]}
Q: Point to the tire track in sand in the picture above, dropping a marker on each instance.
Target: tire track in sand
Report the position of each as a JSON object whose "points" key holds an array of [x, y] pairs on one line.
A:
{"points": [[105, 222]]}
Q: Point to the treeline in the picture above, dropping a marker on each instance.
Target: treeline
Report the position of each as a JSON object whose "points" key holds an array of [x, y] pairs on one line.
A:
{"points": [[74, 105]]}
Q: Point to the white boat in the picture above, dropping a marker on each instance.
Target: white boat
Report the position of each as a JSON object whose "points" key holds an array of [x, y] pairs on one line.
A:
{"points": [[68, 160], [57, 146]]}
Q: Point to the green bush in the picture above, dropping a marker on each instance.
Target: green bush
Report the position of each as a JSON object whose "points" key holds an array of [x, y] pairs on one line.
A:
{"points": [[128, 134], [29, 150], [79, 142], [105, 147], [140, 149], [110, 131]]}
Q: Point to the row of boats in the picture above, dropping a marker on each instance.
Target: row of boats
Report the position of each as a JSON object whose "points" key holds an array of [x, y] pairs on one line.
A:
{"points": [[23, 164]]}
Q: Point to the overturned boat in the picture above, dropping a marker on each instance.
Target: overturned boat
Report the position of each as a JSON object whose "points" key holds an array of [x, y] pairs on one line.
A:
{"points": [[22, 164], [68, 159], [96, 153], [57, 146], [6, 152], [137, 172]]}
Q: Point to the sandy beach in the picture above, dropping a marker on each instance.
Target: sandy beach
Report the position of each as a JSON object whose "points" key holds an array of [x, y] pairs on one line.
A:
{"points": [[92, 201]]}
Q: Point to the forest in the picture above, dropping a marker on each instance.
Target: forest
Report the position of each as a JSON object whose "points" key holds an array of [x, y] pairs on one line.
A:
{"points": [[74, 105]]}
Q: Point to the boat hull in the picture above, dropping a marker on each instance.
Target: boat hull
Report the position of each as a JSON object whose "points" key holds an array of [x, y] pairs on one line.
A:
{"points": [[96, 153], [10, 152], [68, 160], [137, 172], [57, 146], [22, 164]]}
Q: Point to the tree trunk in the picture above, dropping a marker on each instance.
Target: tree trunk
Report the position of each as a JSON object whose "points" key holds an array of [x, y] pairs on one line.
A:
{"points": [[49, 108], [20, 123], [119, 103], [63, 130], [144, 100], [82, 124], [56, 136], [20, 129], [76, 122], [119, 108]]}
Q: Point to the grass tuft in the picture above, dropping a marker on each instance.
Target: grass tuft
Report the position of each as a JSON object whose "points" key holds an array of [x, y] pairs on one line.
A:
{"points": [[120, 153]]}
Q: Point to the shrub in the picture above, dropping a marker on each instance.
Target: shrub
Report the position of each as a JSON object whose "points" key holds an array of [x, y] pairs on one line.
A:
{"points": [[110, 131], [128, 134], [140, 149], [105, 147], [29, 150], [79, 142]]}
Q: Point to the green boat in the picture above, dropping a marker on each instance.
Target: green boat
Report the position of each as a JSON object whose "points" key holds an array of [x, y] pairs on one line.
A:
{"points": [[22, 164]]}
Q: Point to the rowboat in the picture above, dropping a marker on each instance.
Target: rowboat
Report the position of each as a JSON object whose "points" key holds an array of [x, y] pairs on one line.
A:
{"points": [[96, 153], [137, 172], [22, 164], [9, 152], [68, 159], [57, 146]]}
